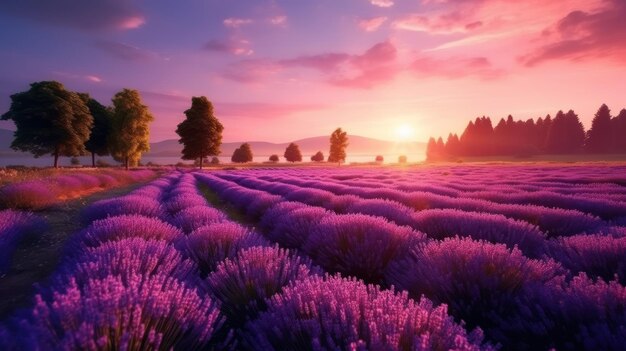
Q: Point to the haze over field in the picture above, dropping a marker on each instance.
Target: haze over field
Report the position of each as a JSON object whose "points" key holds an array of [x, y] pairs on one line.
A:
{"points": [[286, 70]]}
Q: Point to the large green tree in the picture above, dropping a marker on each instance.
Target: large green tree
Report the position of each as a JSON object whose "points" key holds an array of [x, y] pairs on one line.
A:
{"points": [[292, 153], [200, 132], [242, 154], [338, 145], [49, 120], [98, 143], [130, 127], [600, 136]]}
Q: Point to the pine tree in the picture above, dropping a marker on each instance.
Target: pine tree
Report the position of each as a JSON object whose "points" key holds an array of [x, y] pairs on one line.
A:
{"points": [[292, 153], [49, 120], [130, 131], [566, 135], [338, 145], [200, 132], [619, 132], [431, 150], [600, 136]]}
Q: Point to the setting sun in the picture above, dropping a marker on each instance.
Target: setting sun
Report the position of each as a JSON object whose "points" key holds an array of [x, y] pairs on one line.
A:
{"points": [[405, 132]]}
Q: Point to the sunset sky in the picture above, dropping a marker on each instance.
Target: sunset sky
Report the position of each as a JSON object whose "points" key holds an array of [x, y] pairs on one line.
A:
{"points": [[283, 70]]}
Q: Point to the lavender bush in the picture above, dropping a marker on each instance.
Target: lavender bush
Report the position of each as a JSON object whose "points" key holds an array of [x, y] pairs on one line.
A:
{"points": [[335, 313]]}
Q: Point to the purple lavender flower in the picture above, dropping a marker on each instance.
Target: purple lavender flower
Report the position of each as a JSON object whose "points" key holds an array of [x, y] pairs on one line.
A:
{"points": [[156, 312], [598, 255], [123, 227], [125, 205], [294, 227], [211, 244], [478, 280], [446, 223], [243, 284], [16, 226], [127, 258], [335, 313], [195, 217], [183, 201], [359, 245], [274, 215]]}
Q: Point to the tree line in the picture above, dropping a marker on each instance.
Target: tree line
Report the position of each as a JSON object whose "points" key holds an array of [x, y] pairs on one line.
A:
{"points": [[51, 120], [563, 134], [201, 136]]}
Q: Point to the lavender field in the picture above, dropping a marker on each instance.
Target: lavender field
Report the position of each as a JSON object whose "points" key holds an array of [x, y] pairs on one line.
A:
{"points": [[448, 257]]}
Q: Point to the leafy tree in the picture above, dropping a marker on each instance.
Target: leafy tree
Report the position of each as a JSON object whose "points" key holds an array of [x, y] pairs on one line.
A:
{"points": [[318, 157], [49, 120], [338, 145], [566, 135], [600, 136], [274, 158], [215, 161], [242, 154], [130, 127], [402, 159], [200, 132], [619, 132], [380, 159], [98, 140], [292, 153]]}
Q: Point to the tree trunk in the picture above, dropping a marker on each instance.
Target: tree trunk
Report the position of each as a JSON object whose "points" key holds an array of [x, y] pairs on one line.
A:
{"points": [[93, 159], [126, 163], [201, 160], [56, 159]]}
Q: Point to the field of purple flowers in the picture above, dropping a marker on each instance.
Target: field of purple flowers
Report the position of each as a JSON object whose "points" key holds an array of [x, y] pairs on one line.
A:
{"points": [[476, 257]]}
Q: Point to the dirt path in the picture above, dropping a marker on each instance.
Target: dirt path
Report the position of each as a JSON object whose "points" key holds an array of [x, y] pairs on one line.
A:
{"points": [[36, 259]]}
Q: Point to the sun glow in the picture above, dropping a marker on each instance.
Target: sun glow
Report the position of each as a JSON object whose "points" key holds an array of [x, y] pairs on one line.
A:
{"points": [[405, 132]]}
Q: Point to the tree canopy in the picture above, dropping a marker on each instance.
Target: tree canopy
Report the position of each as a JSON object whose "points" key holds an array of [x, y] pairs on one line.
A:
{"points": [[49, 120], [318, 157], [200, 132], [338, 145], [242, 154], [98, 140], [130, 127], [292, 153]]}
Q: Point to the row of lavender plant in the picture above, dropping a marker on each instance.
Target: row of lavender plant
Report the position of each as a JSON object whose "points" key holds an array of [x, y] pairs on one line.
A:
{"points": [[482, 282], [553, 221], [489, 227], [15, 227], [123, 285], [346, 313], [41, 193]]}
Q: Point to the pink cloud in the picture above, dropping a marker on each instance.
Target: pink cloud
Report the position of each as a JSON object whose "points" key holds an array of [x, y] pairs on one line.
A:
{"points": [[372, 24], [447, 23], [583, 35], [231, 46], [251, 71], [125, 51], [263, 110], [78, 77], [78, 14], [455, 67], [375, 66], [234, 22], [278, 20], [382, 3], [323, 62]]}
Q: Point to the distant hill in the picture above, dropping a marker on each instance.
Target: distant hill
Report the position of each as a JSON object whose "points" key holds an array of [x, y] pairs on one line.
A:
{"points": [[358, 146], [171, 148]]}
